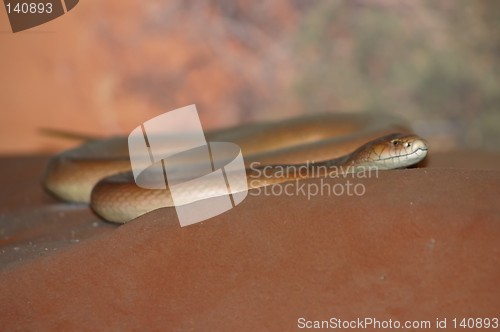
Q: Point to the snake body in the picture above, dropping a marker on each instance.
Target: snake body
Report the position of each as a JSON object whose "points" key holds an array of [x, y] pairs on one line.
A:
{"points": [[98, 172]]}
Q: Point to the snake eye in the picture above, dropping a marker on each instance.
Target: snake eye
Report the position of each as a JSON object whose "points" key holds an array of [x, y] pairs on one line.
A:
{"points": [[395, 142]]}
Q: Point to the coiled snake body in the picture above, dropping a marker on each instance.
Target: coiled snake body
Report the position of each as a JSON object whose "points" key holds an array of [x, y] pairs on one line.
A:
{"points": [[98, 172]]}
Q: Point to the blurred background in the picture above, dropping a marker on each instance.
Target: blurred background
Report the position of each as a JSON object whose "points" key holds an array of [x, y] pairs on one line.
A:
{"points": [[106, 67]]}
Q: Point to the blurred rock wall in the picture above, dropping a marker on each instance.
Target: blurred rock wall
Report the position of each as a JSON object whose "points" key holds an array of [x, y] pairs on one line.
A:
{"points": [[105, 67]]}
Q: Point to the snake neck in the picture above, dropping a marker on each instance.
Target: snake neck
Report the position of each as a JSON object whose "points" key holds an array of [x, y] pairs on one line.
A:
{"points": [[342, 165]]}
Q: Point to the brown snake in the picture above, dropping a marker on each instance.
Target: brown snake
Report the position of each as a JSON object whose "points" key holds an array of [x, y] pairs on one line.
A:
{"points": [[89, 173]]}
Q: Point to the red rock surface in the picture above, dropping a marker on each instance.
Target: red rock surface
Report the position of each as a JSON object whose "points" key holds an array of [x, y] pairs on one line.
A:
{"points": [[420, 244]]}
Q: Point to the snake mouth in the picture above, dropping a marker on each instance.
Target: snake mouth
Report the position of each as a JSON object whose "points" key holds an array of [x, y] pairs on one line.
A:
{"points": [[405, 155], [401, 157]]}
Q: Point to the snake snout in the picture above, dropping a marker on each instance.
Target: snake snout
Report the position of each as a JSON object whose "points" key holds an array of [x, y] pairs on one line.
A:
{"points": [[420, 144], [411, 151]]}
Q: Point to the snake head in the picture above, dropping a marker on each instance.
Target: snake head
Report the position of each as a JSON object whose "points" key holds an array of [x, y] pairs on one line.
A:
{"points": [[392, 151]]}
